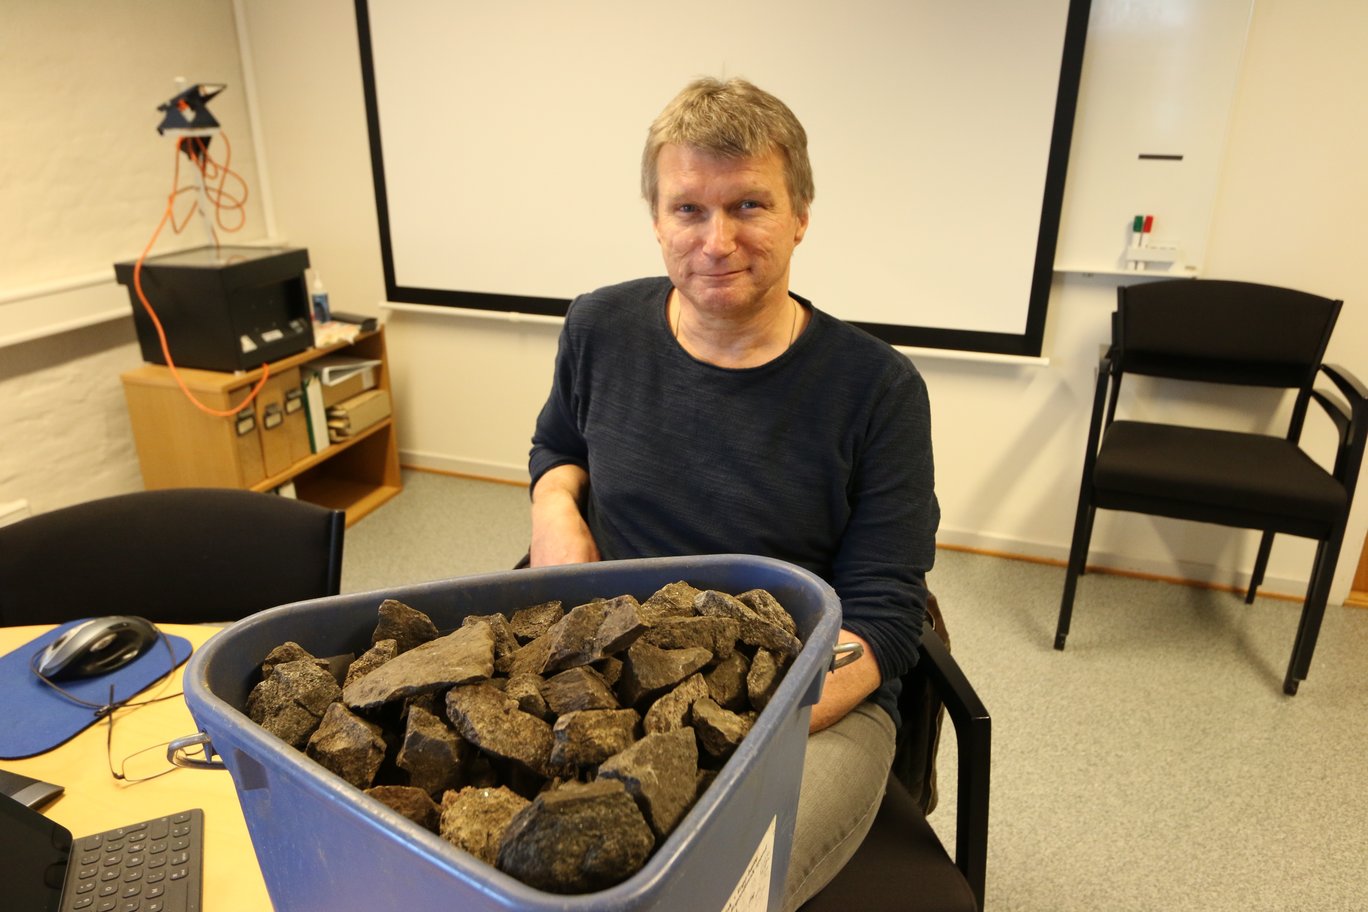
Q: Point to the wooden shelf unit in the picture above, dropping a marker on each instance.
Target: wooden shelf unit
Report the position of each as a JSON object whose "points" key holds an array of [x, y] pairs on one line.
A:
{"points": [[181, 446]]}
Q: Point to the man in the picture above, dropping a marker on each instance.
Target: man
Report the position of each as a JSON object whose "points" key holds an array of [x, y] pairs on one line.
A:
{"points": [[713, 411]]}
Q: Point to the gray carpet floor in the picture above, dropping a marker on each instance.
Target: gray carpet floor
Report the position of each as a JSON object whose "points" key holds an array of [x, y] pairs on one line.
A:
{"points": [[1153, 765]]}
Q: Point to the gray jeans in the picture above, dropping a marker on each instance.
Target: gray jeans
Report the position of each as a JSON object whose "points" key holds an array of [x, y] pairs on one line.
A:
{"points": [[845, 770]]}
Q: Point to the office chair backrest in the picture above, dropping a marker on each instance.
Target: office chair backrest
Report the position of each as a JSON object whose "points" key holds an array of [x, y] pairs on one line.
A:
{"points": [[184, 555], [1223, 332]]}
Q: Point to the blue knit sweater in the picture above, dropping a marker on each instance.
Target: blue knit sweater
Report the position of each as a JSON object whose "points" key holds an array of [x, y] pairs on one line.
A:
{"points": [[821, 457]]}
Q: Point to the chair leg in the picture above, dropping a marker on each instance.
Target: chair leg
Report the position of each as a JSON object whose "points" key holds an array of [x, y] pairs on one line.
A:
{"points": [[1087, 539], [1313, 612], [1260, 565], [1078, 556]]}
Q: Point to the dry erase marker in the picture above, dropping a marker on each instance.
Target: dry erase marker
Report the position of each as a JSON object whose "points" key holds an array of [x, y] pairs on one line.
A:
{"points": [[1145, 238]]}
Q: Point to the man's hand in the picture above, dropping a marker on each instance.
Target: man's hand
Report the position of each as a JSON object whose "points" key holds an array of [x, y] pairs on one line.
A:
{"points": [[559, 532], [847, 687]]}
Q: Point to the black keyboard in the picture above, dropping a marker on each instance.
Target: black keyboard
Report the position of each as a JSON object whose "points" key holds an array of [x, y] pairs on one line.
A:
{"points": [[153, 866]]}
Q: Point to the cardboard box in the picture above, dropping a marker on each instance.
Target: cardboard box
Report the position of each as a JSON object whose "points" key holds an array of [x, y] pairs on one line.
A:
{"points": [[352, 416], [281, 422], [731, 847]]}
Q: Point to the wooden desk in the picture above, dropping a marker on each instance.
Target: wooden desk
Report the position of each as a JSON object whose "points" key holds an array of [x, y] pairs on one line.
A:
{"points": [[95, 801]]}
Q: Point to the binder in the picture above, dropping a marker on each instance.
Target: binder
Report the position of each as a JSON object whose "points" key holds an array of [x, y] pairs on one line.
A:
{"points": [[344, 376], [316, 416]]}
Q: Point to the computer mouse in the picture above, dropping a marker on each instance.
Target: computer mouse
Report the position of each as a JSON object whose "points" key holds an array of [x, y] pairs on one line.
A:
{"points": [[96, 646]]}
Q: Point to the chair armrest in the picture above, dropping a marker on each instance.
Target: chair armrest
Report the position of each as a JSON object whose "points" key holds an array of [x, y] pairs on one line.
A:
{"points": [[1350, 385], [1351, 422], [973, 734]]}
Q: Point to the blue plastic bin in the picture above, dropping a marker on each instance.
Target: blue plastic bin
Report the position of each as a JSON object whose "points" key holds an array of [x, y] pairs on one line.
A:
{"points": [[323, 845]]}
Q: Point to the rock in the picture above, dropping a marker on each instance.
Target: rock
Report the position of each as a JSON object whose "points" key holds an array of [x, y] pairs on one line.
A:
{"points": [[578, 688], [474, 819], [290, 703], [529, 658], [756, 629], [763, 678], [649, 670], [492, 721], [348, 745], [531, 622], [768, 607], [661, 772], [727, 682], [716, 634], [407, 626], [432, 753], [288, 651], [611, 669], [585, 738], [458, 658], [578, 838], [590, 632], [527, 690], [719, 730], [505, 643], [371, 659], [414, 803], [674, 709], [669, 601]]}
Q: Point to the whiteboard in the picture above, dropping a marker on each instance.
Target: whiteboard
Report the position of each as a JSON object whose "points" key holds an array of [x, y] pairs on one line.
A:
{"points": [[507, 137], [1154, 109]]}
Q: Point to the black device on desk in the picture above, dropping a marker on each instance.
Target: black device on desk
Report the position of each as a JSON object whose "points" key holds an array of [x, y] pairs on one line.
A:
{"points": [[222, 308], [27, 791], [153, 866], [95, 647]]}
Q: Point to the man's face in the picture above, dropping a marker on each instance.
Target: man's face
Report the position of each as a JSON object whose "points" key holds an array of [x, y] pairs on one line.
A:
{"points": [[726, 228]]}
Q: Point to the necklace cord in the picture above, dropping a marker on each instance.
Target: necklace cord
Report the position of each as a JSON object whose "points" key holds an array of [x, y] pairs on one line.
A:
{"points": [[793, 323]]}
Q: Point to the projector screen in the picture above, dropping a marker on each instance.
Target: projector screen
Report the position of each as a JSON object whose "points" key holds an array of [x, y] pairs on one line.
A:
{"points": [[506, 141]]}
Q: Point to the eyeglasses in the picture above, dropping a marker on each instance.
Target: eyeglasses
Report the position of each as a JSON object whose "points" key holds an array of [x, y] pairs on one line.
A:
{"points": [[145, 763]]}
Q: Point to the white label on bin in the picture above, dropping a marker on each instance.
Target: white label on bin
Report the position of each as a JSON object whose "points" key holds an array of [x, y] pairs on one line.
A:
{"points": [[752, 893]]}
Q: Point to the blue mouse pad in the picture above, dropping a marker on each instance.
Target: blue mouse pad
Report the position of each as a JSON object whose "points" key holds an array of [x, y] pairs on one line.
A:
{"points": [[35, 718]]}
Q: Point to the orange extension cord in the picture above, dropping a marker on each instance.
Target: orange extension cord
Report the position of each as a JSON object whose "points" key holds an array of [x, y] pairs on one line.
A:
{"points": [[221, 200]]}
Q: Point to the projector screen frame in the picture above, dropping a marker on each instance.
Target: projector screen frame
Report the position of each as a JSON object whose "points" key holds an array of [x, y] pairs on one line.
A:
{"points": [[1027, 343]]}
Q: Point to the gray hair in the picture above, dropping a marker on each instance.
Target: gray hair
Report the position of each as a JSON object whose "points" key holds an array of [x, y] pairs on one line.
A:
{"points": [[732, 119]]}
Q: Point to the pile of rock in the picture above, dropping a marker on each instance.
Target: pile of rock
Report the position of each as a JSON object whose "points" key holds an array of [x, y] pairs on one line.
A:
{"points": [[559, 746]]}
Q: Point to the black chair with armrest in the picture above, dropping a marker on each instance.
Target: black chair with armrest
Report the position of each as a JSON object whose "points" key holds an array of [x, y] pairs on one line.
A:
{"points": [[902, 866], [1230, 333], [183, 555]]}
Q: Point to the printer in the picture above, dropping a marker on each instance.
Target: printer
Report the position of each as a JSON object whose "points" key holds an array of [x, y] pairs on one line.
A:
{"points": [[223, 308]]}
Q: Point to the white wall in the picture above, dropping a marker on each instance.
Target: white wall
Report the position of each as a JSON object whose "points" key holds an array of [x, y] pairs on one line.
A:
{"points": [[1008, 438], [84, 178]]}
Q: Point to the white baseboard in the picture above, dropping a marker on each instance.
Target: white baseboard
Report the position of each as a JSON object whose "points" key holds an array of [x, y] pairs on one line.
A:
{"points": [[1178, 571], [434, 462]]}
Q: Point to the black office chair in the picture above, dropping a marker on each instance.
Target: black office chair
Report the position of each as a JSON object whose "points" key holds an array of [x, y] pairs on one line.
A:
{"points": [[1238, 333], [183, 555], [902, 866]]}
